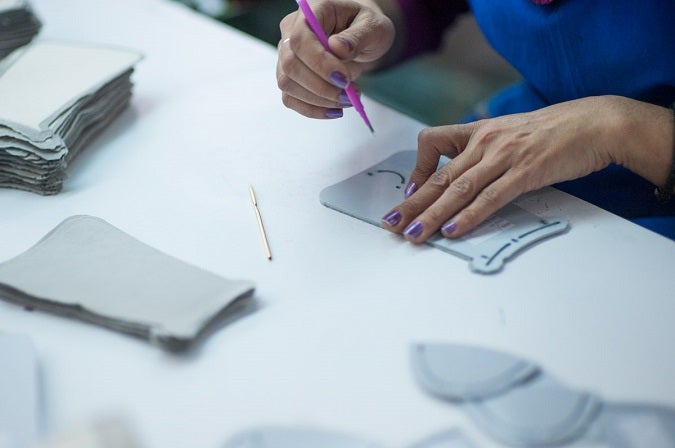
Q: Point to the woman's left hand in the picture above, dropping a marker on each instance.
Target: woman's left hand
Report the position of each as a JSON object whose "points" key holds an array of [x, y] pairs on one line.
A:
{"points": [[496, 160]]}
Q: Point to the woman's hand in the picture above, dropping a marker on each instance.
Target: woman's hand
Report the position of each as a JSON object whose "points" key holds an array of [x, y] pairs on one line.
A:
{"points": [[312, 80], [496, 160]]}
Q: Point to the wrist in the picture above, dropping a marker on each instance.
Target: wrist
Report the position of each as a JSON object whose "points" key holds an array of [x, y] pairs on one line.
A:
{"points": [[665, 191], [643, 138]]}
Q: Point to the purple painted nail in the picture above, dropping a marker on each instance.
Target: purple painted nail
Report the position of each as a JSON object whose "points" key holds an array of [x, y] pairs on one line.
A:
{"points": [[347, 43], [410, 189], [414, 230], [392, 218], [448, 227], [333, 113], [343, 100], [339, 80]]}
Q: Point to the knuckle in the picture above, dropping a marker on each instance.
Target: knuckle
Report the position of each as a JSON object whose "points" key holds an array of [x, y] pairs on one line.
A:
{"points": [[435, 215], [424, 136], [283, 82], [410, 208], [463, 187], [287, 100], [440, 179], [469, 218], [285, 64], [491, 196], [286, 22], [487, 134]]}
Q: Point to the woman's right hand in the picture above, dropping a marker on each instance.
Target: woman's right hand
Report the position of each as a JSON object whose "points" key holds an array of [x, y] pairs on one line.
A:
{"points": [[312, 80]]}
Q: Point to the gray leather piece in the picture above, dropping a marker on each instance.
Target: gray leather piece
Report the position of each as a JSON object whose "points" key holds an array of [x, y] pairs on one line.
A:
{"points": [[87, 269], [507, 397], [18, 25], [19, 401], [68, 108], [371, 194], [541, 412], [630, 425], [452, 438], [460, 372]]}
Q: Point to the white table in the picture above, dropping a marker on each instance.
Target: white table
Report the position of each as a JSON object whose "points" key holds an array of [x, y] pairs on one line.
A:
{"points": [[342, 300]]}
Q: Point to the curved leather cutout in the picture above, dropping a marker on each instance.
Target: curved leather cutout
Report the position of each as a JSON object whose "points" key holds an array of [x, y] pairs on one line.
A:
{"points": [[631, 425], [538, 413], [460, 373], [452, 438]]}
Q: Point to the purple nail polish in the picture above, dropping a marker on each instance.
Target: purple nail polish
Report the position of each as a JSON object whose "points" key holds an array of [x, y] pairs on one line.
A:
{"points": [[347, 43], [448, 227], [392, 218], [339, 80], [410, 189], [343, 100], [414, 230], [333, 113]]}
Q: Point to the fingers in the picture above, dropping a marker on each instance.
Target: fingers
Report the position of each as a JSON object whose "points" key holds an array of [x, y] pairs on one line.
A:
{"points": [[303, 89], [309, 110], [460, 195], [304, 98], [463, 203], [433, 143], [312, 80], [446, 191], [491, 198], [494, 161]]}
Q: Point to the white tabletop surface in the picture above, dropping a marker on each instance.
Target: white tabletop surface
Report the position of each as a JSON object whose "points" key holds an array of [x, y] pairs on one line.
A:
{"points": [[341, 302]]}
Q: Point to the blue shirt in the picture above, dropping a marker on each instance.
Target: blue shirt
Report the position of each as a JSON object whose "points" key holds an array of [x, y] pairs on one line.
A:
{"points": [[571, 49], [577, 48]]}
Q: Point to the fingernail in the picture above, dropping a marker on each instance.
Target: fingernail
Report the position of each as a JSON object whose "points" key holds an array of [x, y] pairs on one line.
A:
{"points": [[339, 80], [448, 227], [410, 189], [414, 230], [347, 43], [343, 100], [392, 218], [333, 113]]}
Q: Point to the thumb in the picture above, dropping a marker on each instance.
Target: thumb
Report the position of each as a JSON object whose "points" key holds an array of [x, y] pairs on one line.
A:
{"points": [[367, 38]]}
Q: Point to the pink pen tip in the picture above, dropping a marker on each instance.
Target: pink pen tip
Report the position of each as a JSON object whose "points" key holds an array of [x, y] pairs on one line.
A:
{"points": [[364, 117]]}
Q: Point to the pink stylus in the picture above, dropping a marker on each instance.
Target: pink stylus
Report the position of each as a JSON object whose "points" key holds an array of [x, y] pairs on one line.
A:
{"points": [[318, 31]]}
